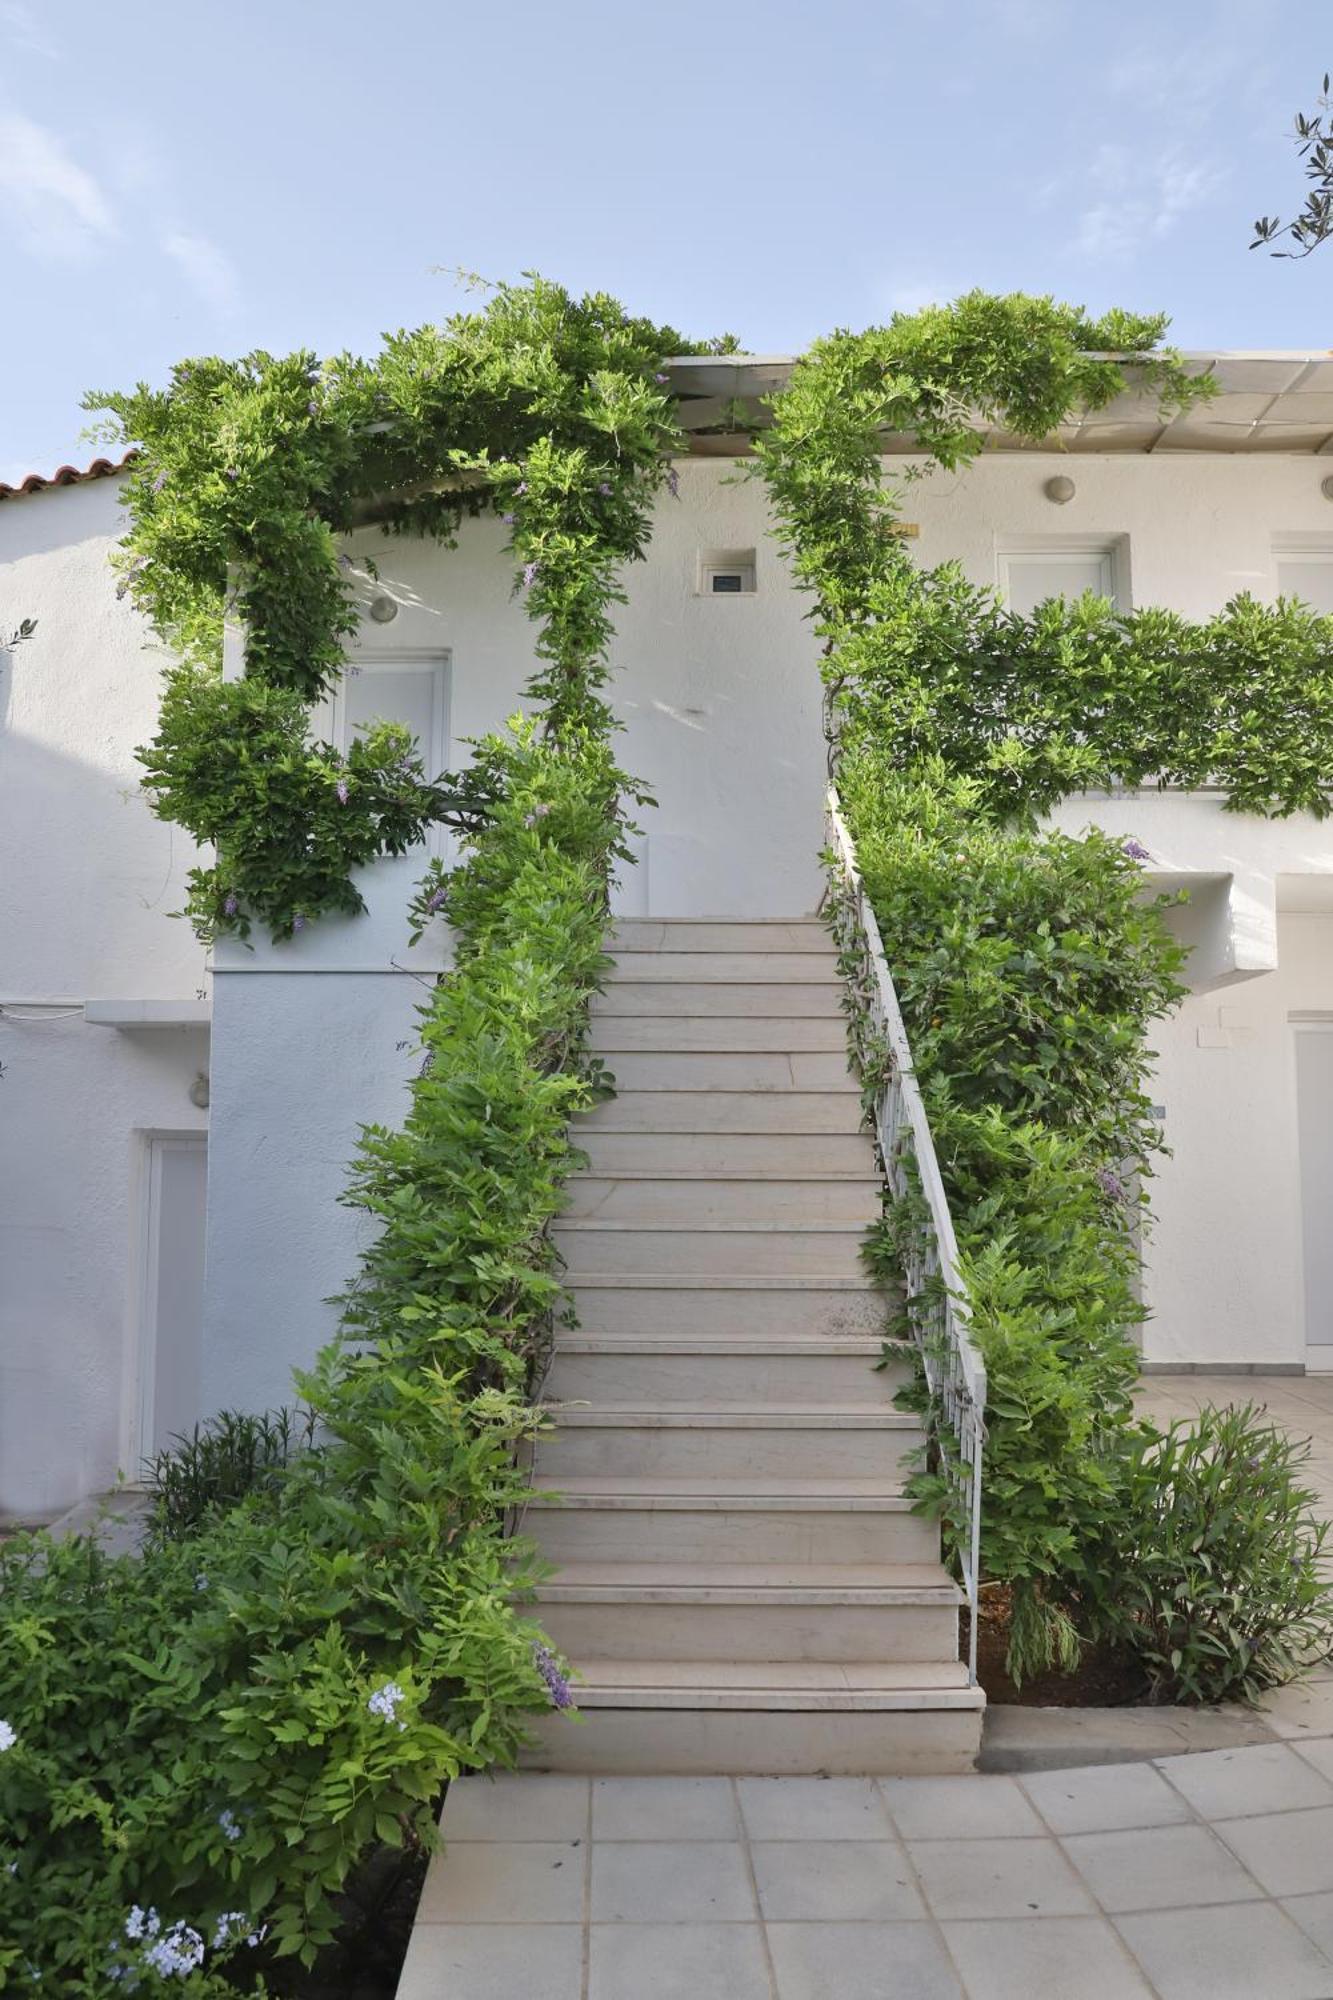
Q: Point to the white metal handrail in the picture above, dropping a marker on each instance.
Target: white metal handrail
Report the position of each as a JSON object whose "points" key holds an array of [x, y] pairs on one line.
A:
{"points": [[936, 1297]]}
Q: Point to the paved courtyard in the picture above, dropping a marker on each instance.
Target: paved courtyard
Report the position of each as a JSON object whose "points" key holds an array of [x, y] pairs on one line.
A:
{"points": [[1198, 1877], [1192, 1878]]}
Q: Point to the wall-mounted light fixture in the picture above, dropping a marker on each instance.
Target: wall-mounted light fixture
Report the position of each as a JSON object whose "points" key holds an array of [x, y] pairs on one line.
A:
{"points": [[199, 1091], [1326, 487], [1060, 489], [383, 609]]}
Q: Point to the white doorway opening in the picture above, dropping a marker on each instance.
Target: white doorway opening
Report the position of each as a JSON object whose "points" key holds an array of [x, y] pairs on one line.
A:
{"points": [[170, 1292], [1314, 1114]]}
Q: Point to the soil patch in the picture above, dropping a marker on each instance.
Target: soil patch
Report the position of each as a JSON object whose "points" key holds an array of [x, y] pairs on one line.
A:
{"points": [[1106, 1677]]}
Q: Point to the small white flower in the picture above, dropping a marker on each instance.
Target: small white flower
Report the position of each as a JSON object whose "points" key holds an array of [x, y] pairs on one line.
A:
{"points": [[384, 1702], [201, 1581], [9, 1736], [229, 1823], [230, 1924]]}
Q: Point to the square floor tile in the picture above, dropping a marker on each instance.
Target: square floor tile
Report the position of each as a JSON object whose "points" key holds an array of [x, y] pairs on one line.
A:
{"points": [[1158, 1868], [664, 1809], [671, 1882], [1304, 1709], [674, 1962], [861, 1962], [812, 1809], [834, 1880], [999, 1878], [977, 1808], [493, 1962], [1256, 1778], [1291, 1854], [1316, 1750], [1101, 1798], [516, 1805], [1045, 1958], [1314, 1914], [506, 1882], [1251, 1952]]}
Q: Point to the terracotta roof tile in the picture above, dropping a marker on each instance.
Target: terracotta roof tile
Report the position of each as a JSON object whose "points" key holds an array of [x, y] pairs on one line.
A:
{"points": [[66, 475]]}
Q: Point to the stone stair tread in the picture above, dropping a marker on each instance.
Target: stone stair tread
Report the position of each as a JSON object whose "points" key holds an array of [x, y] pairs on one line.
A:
{"points": [[768, 1175], [823, 1495], [717, 1281], [753, 1345], [749, 1583], [703, 1415], [722, 1683], [673, 1226]]}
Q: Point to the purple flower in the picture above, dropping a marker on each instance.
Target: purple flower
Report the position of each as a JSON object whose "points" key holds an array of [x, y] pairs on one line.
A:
{"points": [[1112, 1185], [230, 905], [522, 486], [605, 488], [159, 482], [673, 482], [231, 472], [1135, 850], [557, 1686], [341, 789], [312, 408], [529, 575], [659, 377], [298, 922], [435, 900], [508, 520], [427, 1063]]}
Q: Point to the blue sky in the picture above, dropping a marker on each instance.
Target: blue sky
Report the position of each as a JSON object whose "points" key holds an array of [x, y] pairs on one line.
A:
{"points": [[201, 177]]}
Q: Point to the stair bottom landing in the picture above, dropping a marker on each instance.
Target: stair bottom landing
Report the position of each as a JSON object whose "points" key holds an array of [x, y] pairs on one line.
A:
{"points": [[692, 1718]]}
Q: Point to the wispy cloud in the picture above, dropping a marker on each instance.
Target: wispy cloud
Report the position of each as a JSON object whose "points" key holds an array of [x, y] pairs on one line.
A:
{"points": [[209, 270], [1139, 199], [57, 208], [22, 30]]}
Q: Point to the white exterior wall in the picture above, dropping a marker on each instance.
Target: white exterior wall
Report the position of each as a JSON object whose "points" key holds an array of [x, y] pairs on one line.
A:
{"points": [[87, 877], [721, 702]]}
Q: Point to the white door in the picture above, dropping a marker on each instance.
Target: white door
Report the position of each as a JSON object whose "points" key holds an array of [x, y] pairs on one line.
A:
{"points": [[1314, 1110], [173, 1289]]}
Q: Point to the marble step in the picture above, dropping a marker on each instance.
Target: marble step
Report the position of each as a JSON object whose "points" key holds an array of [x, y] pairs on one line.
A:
{"points": [[730, 1114], [720, 1034], [711, 1070], [758, 1156], [674, 1308], [720, 1440], [738, 1202], [704, 969], [738, 1718], [830, 1250], [791, 999], [713, 934], [617, 1368], [643, 1520], [762, 1612]]}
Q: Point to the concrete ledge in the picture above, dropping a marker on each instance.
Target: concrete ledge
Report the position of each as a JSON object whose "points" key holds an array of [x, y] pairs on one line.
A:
{"points": [[1053, 1739]]}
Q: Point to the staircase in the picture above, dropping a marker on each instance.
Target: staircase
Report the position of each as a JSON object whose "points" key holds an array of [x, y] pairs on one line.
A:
{"points": [[739, 1581]]}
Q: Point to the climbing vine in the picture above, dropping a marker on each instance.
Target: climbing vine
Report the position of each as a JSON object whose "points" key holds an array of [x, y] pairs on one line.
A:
{"points": [[549, 411], [1031, 966]]}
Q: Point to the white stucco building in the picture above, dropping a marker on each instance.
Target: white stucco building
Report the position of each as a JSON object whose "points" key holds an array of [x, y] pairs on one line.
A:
{"points": [[136, 1076]]}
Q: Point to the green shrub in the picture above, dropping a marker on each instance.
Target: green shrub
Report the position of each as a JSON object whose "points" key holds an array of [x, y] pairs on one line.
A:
{"points": [[1210, 1565], [224, 1460], [227, 1728]]}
